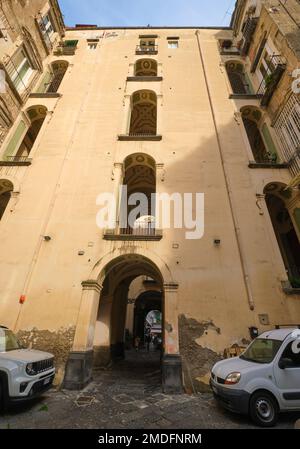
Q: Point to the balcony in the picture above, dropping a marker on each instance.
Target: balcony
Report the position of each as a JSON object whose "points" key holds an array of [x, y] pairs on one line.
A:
{"points": [[66, 48], [140, 234], [146, 50], [139, 137], [277, 67], [249, 30], [268, 164], [227, 48], [144, 78], [16, 161]]}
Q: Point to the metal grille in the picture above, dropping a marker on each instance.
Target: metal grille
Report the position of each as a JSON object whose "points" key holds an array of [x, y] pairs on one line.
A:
{"points": [[56, 82], [43, 365], [145, 230], [287, 127]]}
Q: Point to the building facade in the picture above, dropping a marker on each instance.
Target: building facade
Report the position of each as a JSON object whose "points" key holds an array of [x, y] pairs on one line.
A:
{"points": [[166, 110]]}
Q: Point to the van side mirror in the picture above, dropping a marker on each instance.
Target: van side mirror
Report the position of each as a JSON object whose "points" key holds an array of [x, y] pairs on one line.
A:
{"points": [[285, 363]]}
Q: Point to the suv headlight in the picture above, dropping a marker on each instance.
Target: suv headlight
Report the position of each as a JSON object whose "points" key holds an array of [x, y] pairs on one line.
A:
{"points": [[30, 369], [233, 379]]}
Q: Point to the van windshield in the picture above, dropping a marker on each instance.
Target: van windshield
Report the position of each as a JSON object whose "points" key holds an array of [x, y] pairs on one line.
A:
{"points": [[8, 341], [262, 351]]}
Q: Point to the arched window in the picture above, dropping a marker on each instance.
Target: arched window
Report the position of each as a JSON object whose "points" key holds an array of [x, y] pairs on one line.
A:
{"points": [[259, 137], [140, 178], [37, 115], [6, 188], [146, 67], [287, 238], [59, 69], [237, 77], [143, 113]]}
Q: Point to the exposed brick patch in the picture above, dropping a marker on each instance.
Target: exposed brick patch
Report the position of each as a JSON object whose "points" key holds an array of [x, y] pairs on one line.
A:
{"points": [[197, 361]]}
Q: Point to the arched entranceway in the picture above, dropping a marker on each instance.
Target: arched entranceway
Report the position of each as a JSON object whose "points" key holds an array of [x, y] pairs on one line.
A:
{"points": [[277, 197], [100, 333], [110, 334], [147, 308]]}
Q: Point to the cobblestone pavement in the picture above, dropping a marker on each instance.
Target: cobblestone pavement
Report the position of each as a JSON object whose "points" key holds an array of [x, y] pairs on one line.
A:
{"points": [[128, 396]]}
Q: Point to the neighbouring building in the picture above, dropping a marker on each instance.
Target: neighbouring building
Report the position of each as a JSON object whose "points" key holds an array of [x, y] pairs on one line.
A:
{"points": [[160, 110]]}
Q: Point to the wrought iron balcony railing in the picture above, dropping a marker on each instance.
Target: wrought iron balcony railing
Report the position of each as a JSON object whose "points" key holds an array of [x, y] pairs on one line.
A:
{"points": [[15, 161], [142, 233], [276, 68], [140, 136], [248, 33], [146, 49]]}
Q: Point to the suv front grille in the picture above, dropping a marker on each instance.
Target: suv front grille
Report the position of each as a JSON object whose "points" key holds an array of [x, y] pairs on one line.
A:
{"points": [[43, 365]]}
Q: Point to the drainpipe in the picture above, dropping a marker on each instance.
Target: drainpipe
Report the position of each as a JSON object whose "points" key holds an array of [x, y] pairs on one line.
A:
{"points": [[233, 214]]}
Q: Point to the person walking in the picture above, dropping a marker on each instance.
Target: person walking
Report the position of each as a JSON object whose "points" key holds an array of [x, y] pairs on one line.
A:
{"points": [[148, 340], [137, 343]]}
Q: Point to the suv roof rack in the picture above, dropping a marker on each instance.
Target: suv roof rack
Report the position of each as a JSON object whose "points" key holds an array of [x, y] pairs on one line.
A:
{"points": [[279, 326]]}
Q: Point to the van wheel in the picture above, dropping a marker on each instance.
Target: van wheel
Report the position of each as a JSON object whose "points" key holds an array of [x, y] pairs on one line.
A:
{"points": [[264, 410]]}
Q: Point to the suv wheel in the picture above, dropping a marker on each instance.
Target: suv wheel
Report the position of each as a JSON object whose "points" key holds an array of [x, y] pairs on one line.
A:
{"points": [[264, 410]]}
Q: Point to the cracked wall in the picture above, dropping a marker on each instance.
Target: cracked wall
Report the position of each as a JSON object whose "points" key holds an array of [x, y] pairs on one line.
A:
{"points": [[197, 360], [58, 343]]}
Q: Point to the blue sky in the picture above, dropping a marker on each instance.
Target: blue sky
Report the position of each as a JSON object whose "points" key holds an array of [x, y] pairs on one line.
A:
{"points": [[143, 12]]}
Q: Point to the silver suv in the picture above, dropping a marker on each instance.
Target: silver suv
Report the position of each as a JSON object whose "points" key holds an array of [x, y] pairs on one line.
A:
{"points": [[24, 373], [263, 381]]}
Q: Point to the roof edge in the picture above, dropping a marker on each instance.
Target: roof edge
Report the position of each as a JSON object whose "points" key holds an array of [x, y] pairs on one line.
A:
{"points": [[93, 28]]}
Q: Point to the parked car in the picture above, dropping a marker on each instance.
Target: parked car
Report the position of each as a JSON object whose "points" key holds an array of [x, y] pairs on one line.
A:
{"points": [[24, 373], [264, 380]]}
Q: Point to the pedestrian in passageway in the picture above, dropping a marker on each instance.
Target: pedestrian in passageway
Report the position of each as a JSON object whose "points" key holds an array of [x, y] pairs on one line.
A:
{"points": [[137, 342]]}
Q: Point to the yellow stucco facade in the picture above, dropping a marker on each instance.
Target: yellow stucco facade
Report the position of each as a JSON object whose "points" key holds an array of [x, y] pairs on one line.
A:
{"points": [[54, 255]]}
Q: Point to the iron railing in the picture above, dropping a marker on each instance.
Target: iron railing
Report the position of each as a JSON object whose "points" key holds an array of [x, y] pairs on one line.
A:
{"points": [[275, 70], [248, 33], [147, 49], [145, 231], [17, 159]]}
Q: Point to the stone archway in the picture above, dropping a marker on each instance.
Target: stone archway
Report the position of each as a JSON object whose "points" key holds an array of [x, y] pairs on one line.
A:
{"points": [[108, 294]]}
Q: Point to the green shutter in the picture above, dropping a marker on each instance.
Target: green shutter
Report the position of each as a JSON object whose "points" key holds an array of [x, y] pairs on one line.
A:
{"points": [[70, 43], [42, 88], [297, 217], [15, 140], [268, 140], [251, 91]]}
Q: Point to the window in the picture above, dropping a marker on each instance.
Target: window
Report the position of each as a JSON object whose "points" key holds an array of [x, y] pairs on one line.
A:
{"points": [[173, 44], [287, 127], [92, 45], [47, 25], [267, 63], [20, 70], [47, 28], [291, 357], [262, 351]]}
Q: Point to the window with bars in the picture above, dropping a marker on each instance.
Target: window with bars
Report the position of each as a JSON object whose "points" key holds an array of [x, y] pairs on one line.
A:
{"points": [[20, 69], [287, 127]]}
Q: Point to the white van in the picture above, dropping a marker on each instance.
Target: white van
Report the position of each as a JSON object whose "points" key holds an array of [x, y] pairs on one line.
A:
{"points": [[264, 380]]}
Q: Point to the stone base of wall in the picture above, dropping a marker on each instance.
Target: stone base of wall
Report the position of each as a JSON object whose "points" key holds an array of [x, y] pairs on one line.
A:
{"points": [[196, 360], [102, 356], [58, 343], [78, 370], [172, 374]]}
